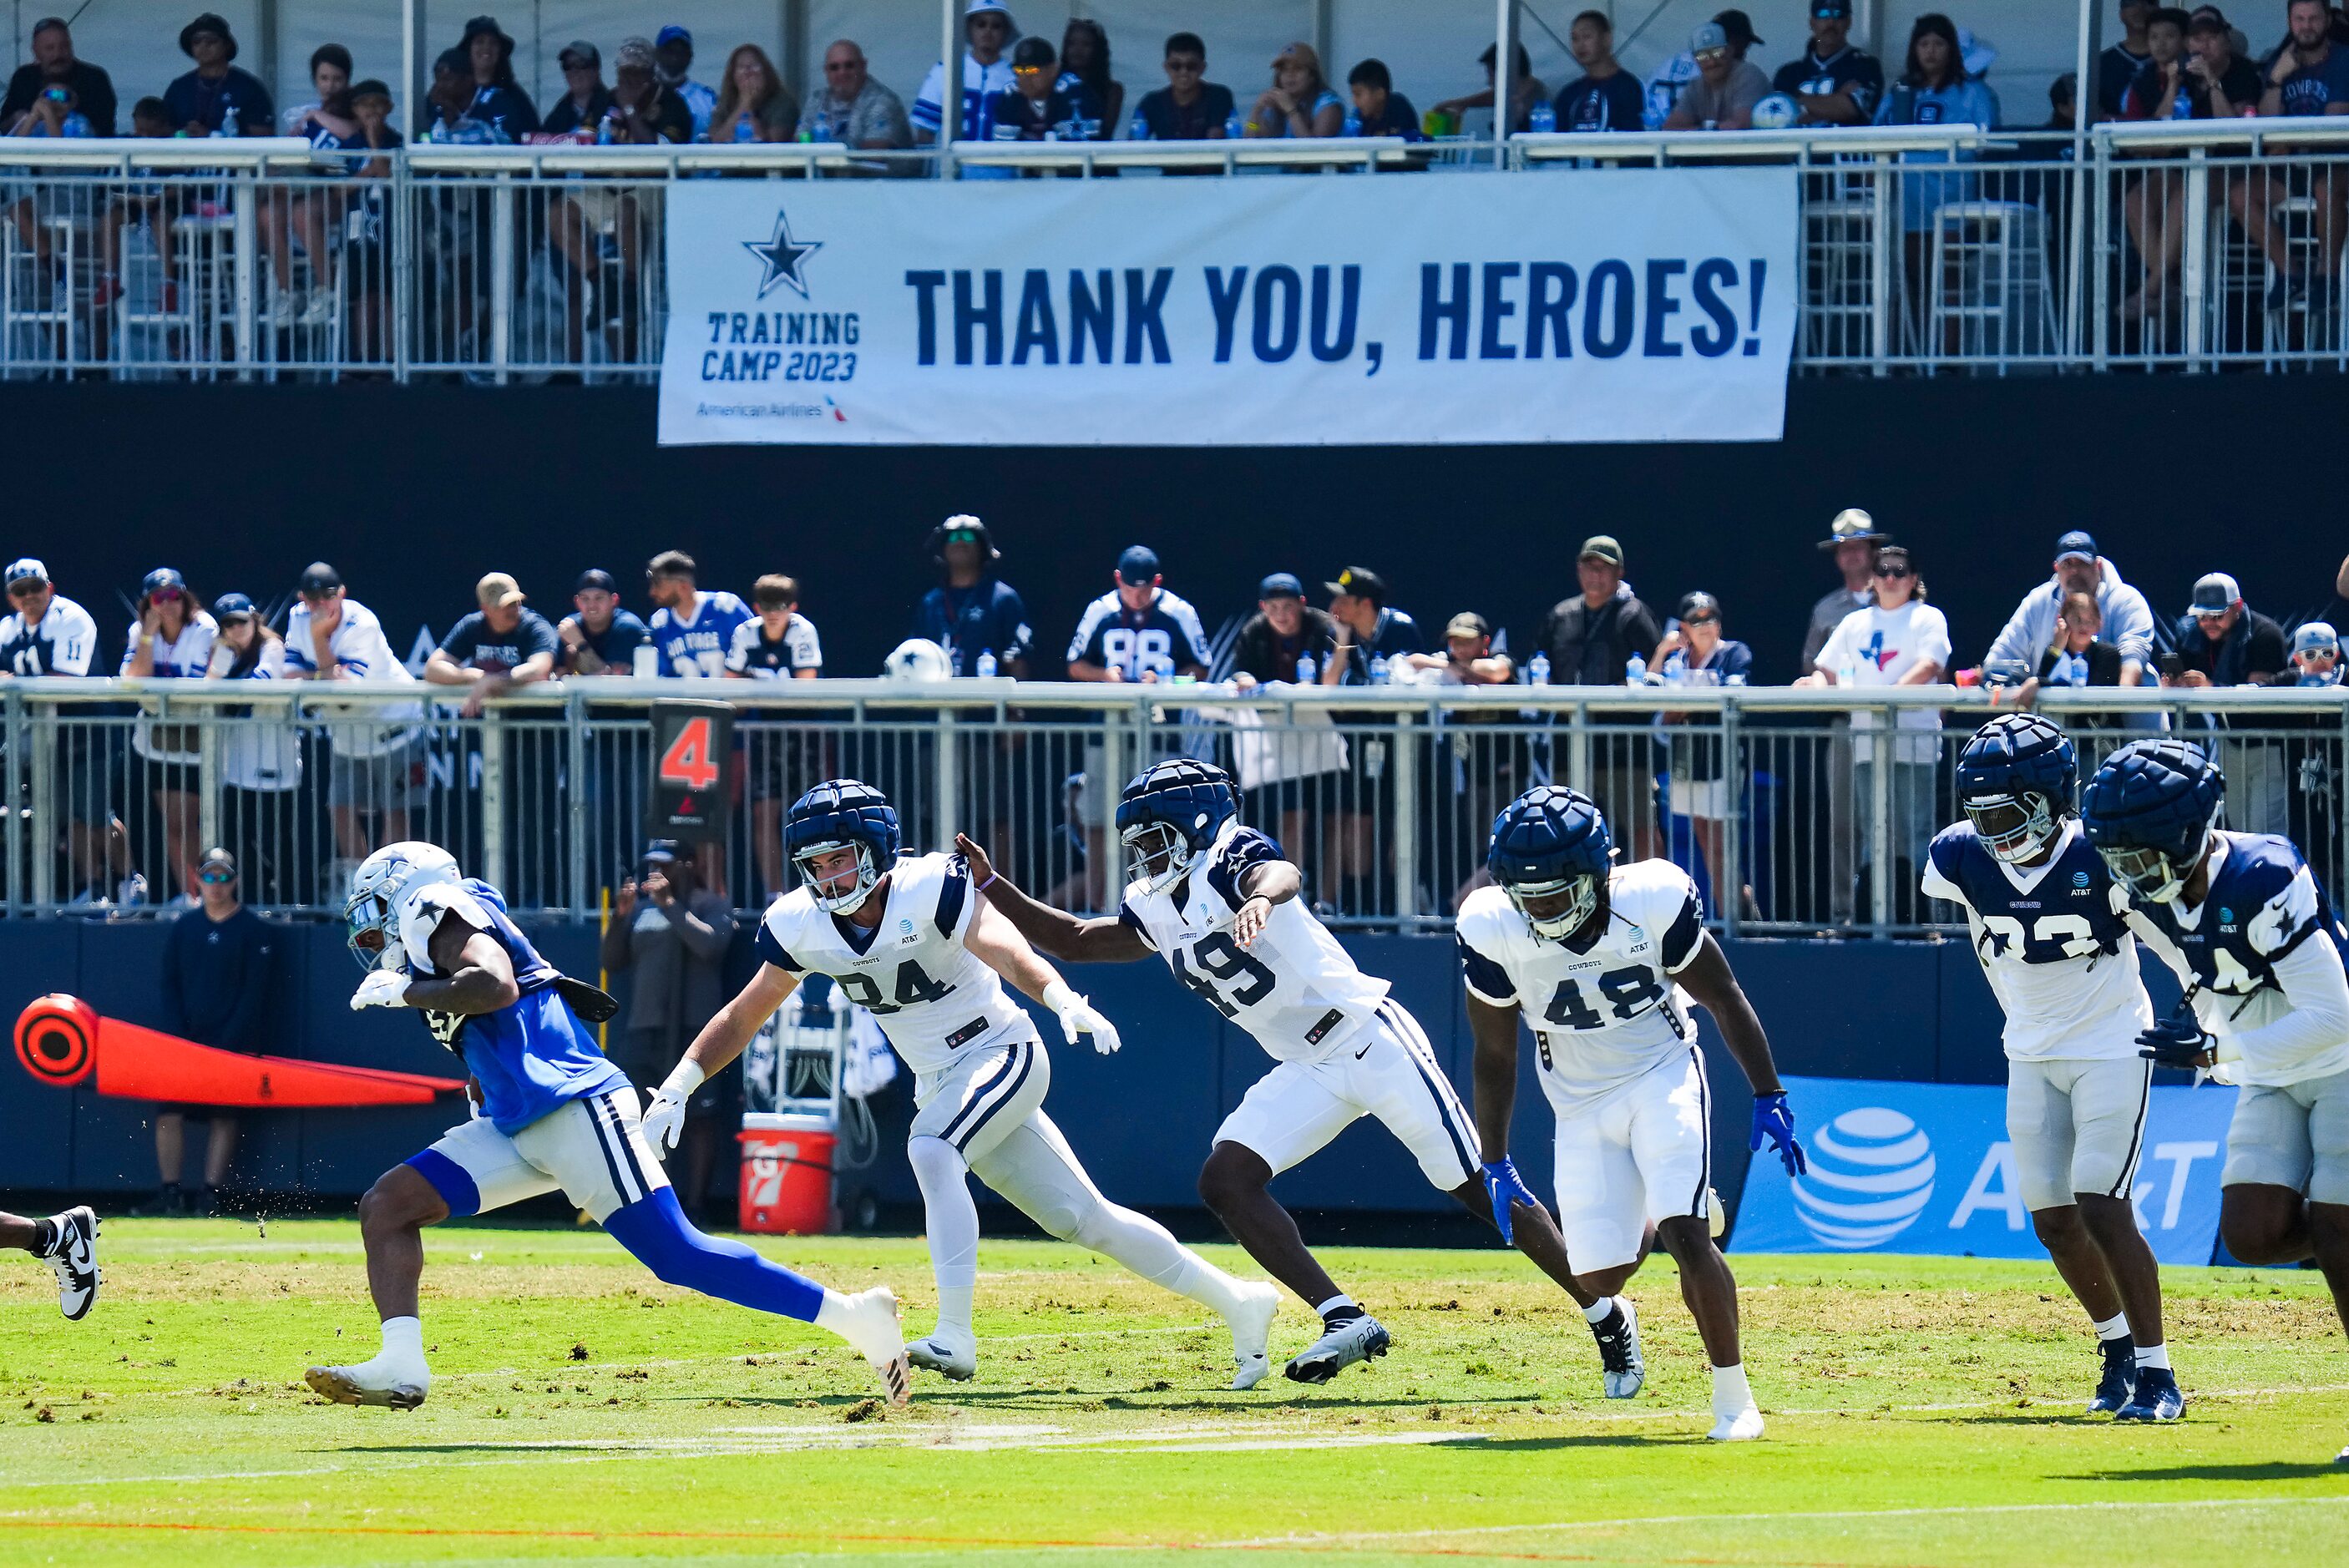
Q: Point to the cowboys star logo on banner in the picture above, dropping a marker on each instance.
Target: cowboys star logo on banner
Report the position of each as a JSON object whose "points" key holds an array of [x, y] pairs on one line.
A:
{"points": [[782, 257]]}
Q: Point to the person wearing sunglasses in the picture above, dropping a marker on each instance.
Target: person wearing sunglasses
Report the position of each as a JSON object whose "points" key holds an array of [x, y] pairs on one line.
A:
{"points": [[853, 108], [989, 27], [47, 633], [1694, 653], [221, 966], [1898, 641], [1189, 107], [1726, 89], [172, 640], [1038, 107]]}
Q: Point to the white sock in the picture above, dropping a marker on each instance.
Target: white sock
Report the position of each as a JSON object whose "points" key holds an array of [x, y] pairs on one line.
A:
{"points": [[2153, 1355], [403, 1348], [1339, 1300], [1730, 1392], [953, 1221], [1598, 1311], [2114, 1327]]}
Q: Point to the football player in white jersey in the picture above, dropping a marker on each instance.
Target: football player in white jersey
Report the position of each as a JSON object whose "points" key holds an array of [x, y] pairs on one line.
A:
{"points": [[1605, 960], [2050, 925], [1218, 901], [908, 941]]}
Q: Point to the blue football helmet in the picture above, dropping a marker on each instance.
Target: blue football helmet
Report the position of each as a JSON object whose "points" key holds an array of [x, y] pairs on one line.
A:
{"points": [[1168, 818], [2015, 779], [1551, 840], [841, 814], [2150, 811]]}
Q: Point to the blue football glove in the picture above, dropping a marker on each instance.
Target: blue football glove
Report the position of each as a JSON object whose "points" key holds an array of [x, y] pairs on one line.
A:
{"points": [[2178, 1041], [1774, 1119], [1502, 1185]]}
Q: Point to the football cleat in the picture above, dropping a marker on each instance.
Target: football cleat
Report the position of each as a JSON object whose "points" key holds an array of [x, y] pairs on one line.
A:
{"points": [[1251, 1328], [953, 1360], [2157, 1397], [74, 1256], [1338, 1349], [371, 1384], [875, 1329], [1740, 1427], [1622, 1368], [2119, 1381]]}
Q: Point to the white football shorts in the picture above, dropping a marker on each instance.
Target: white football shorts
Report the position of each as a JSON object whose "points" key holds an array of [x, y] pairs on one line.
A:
{"points": [[1640, 1152], [2076, 1126], [2296, 1136], [976, 1103], [592, 1148]]}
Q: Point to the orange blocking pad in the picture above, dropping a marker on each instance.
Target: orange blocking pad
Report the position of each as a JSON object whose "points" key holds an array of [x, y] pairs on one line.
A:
{"points": [[62, 1041]]}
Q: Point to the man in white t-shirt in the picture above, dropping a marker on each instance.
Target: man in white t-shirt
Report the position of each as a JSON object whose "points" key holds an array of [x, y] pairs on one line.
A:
{"points": [[47, 633], [1898, 641], [377, 763]]}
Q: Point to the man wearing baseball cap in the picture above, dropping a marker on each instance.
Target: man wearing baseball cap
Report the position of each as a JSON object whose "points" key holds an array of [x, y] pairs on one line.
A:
{"points": [[47, 633], [985, 71], [1284, 630], [673, 57], [2079, 568], [1726, 87], [2223, 642], [973, 614], [1831, 82], [1370, 632], [1591, 640], [1855, 538], [599, 637], [499, 646], [2316, 654]]}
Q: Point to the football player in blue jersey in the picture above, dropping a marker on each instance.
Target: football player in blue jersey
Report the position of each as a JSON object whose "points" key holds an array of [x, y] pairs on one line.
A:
{"points": [[905, 939], [1218, 901], [2051, 927], [1603, 963], [554, 1114], [2241, 922]]}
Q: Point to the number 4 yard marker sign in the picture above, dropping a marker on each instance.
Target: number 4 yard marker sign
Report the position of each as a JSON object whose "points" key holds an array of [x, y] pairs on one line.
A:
{"points": [[693, 746]]}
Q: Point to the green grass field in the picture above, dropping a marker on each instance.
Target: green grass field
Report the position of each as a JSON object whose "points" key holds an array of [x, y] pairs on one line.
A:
{"points": [[1921, 1412]]}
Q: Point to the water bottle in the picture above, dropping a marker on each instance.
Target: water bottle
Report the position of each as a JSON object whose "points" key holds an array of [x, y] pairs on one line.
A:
{"points": [[1543, 117], [1354, 126], [1234, 130], [1675, 667], [1140, 130], [228, 116], [1635, 671], [1378, 672], [985, 668], [1305, 669], [1537, 670]]}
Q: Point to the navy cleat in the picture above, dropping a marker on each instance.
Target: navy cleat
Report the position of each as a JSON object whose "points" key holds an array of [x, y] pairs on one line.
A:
{"points": [[1357, 1339], [2119, 1381], [2157, 1398]]}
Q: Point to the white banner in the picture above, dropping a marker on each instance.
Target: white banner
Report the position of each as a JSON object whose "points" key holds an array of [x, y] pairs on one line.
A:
{"points": [[1404, 309]]}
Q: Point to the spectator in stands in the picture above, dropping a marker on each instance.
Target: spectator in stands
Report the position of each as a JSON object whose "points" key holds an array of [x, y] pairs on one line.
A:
{"points": [[693, 631], [853, 108], [585, 99], [497, 99], [379, 759], [2063, 102], [1379, 109], [1036, 108], [780, 644], [598, 637], [753, 104], [988, 27], [2154, 92], [1284, 630], [221, 981], [1694, 655], [2117, 66], [448, 117], [2223, 642], [1526, 89], [673, 62], [1725, 90], [171, 638], [1370, 638], [1898, 641], [1189, 107], [973, 614], [2123, 614], [1492, 765], [260, 761], [57, 112], [2316, 654], [330, 78], [644, 112], [1085, 77], [502, 645], [1367, 633], [1833, 83], [1299, 103], [2310, 77], [1855, 538], [2079, 657], [1605, 96], [1591, 640], [1934, 87], [216, 98], [47, 633], [2194, 74], [672, 934], [53, 64]]}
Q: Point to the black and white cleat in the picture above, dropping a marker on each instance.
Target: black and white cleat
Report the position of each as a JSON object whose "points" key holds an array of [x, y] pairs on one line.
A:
{"points": [[74, 1256], [1340, 1348]]}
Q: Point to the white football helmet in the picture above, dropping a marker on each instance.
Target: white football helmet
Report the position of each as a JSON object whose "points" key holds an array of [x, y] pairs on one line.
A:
{"points": [[918, 659], [382, 881]]}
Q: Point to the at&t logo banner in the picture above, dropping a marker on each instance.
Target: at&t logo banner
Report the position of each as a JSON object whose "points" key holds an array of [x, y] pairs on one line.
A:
{"points": [[1927, 1167]]}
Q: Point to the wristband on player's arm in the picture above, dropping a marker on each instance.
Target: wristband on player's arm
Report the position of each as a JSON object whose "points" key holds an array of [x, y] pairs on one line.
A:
{"points": [[683, 1079]]}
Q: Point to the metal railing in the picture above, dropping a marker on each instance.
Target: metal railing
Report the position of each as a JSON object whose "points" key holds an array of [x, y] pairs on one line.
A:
{"points": [[2172, 245], [1798, 811]]}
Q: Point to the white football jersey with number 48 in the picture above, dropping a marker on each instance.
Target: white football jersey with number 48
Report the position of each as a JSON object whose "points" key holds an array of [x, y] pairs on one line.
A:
{"points": [[1606, 1013]]}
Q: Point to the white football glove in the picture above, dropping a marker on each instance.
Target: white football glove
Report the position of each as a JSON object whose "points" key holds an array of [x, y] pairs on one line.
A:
{"points": [[1077, 1017], [665, 1117], [381, 988]]}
